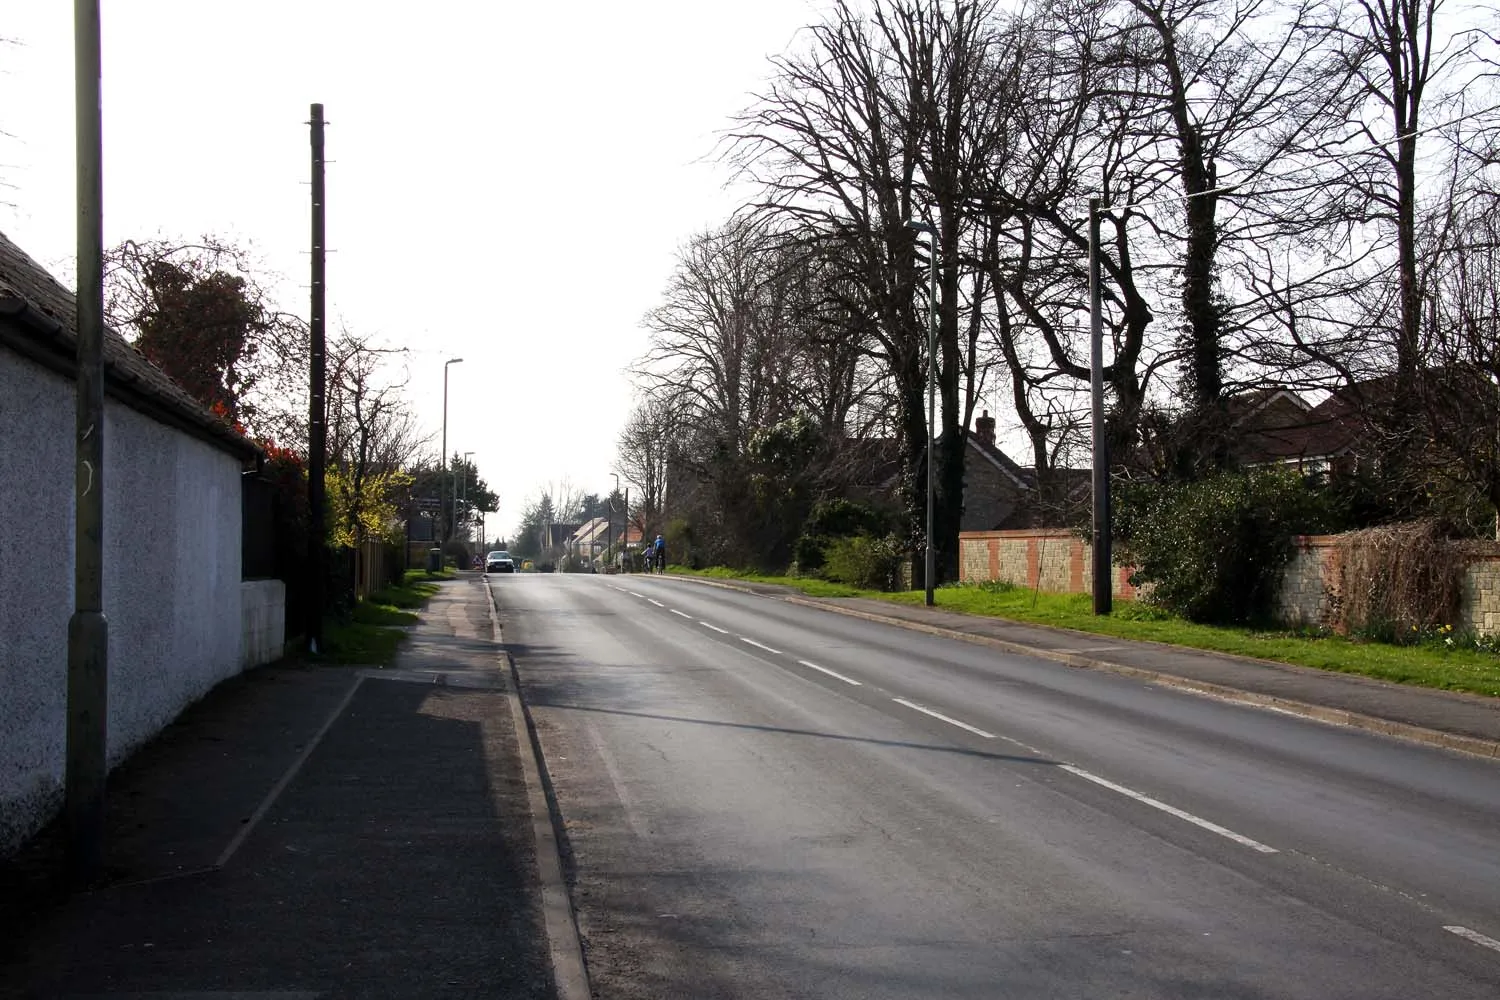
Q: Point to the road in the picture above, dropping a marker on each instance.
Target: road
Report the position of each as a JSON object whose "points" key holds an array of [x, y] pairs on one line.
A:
{"points": [[768, 800]]}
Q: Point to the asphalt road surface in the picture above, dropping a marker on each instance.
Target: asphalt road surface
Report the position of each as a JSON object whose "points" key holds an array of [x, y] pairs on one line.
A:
{"points": [[767, 800]]}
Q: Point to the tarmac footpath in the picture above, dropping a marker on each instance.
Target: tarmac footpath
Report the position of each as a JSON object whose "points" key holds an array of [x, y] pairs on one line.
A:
{"points": [[317, 833]]}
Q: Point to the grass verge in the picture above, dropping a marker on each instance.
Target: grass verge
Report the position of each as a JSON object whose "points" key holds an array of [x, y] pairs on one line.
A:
{"points": [[374, 632], [1456, 669]]}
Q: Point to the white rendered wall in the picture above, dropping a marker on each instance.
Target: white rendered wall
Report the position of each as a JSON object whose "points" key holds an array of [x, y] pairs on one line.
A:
{"points": [[171, 580]]}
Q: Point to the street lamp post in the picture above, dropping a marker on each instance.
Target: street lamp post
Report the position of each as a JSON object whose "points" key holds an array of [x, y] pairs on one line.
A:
{"points": [[86, 738], [924, 227], [443, 525], [611, 514], [1103, 595]]}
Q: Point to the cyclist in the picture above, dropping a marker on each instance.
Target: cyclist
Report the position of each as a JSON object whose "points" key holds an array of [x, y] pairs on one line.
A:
{"points": [[659, 554]]}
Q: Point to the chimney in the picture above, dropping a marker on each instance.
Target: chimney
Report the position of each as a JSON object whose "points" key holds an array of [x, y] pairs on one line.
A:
{"points": [[984, 429]]}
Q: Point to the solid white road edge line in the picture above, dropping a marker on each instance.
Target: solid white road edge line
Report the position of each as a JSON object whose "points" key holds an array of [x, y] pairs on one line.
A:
{"points": [[1475, 936], [721, 631], [938, 715], [831, 673], [1170, 810], [682, 613], [659, 604], [760, 645]]}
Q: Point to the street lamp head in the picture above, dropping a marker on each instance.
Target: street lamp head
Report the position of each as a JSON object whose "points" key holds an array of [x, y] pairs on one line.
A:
{"points": [[451, 361], [921, 227]]}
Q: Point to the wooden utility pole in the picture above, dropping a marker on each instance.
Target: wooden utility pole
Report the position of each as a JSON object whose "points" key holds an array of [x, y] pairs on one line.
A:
{"points": [[317, 408], [86, 768]]}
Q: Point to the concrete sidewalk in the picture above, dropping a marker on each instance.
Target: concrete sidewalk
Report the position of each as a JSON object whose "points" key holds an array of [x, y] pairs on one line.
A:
{"points": [[316, 832], [1470, 723]]}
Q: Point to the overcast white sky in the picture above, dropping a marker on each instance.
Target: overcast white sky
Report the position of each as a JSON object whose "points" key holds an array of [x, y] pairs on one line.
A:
{"points": [[511, 179]]}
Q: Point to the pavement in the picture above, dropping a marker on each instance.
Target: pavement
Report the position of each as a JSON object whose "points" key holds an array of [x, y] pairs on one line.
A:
{"points": [[1457, 721], [310, 832]]}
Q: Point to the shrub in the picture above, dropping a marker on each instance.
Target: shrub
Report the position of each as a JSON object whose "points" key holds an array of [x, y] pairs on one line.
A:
{"points": [[830, 520], [1214, 550], [863, 561], [1399, 583], [682, 543]]}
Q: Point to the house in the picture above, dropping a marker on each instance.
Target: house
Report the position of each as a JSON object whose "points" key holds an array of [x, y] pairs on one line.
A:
{"points": [[555, 535], [181, 618], [1277, 426], [999, 493]]}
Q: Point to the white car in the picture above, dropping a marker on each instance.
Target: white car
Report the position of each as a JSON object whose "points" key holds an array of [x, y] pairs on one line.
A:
{"points": [[499, 562]]}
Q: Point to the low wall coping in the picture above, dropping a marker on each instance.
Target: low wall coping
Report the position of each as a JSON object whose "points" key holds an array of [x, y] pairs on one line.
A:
{"points": [[1017, 533]]}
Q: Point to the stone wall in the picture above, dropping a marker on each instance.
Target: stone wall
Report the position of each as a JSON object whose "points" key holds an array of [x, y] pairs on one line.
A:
{"points": [[1310, 583], [1056, 561], [1061, 562]]}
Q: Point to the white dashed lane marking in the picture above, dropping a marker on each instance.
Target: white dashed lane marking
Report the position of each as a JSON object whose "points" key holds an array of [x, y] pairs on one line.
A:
{"points": [[830, 673], [943, 718], [1132, 794], [1170, 810], [1474, 936], [1079, 772]]}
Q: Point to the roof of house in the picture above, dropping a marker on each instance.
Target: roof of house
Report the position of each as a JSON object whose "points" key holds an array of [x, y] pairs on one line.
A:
{"points": [[43, 328], [1022, 477], [590, 530], [558, 532], [890, 469], [1285, 427]]}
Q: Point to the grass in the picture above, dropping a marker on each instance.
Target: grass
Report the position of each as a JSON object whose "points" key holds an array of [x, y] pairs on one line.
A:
{"points": [[1457, 669], [810, 586], [374, 630], [418, 575]]}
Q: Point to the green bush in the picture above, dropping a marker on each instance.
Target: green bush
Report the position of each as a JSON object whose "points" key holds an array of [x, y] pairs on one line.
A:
{"points": [[830, 520], [863, 561], [1213, 550], [682, 543]]}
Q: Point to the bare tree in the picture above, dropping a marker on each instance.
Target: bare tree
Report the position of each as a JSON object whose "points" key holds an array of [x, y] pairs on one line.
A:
{"points": [[719, 340], [645, 450], [372, 433], [874, 126]]}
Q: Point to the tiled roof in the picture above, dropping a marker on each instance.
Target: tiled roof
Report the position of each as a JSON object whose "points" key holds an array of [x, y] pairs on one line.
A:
{"points": [[44, 310], [1003, 461], [1295, 431]]}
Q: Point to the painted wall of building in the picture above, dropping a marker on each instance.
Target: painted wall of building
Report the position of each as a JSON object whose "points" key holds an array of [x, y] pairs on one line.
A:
{"points": [[172, 590]]}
